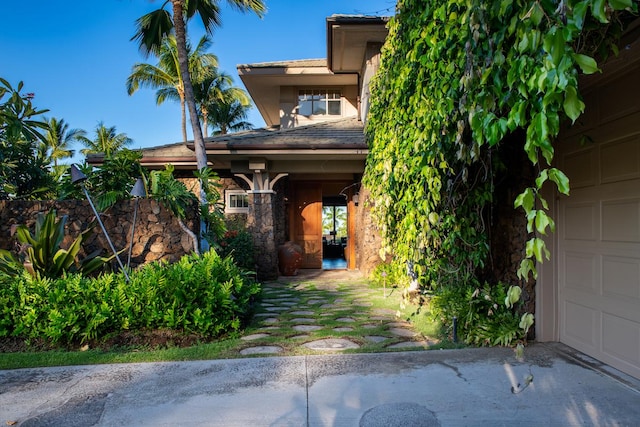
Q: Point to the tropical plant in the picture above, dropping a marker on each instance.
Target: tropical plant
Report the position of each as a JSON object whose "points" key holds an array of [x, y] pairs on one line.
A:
{"points": [[58, 139], [228, 116], [43, 254], [153, 27], [213, 211], [166, 76], [173, 194], [221, 102], [238, 244], [207, 295], [24, 172], [106, 141]]}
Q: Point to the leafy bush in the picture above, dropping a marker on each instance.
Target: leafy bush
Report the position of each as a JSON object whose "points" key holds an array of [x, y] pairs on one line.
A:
{"points": [[390, 274], [43, 252], [206, 295], [484, 316], [238, 244]]}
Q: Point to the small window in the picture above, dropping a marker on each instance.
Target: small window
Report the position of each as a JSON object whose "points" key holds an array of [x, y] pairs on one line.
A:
{"points": [[319, 102], [236, 201]]}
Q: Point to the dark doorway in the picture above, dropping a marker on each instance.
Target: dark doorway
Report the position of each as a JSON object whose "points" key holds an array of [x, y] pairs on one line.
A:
{"points": [[334, 233]]}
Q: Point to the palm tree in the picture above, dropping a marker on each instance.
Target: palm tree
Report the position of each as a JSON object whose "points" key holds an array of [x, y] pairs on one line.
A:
{"points": [[217, 89], [226, 116], [154, 26], [166, 76], [58, 139], [106, 141]]}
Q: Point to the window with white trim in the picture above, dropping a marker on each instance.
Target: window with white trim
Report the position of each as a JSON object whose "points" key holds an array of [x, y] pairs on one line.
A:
{"points": [[319, 102], [236, 201]]}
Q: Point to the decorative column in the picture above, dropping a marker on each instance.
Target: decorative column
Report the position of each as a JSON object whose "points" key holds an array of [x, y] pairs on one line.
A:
{"points": [[260, 223]]}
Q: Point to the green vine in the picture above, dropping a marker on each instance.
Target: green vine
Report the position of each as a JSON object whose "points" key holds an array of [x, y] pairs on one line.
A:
{"points": [[456, 79]]}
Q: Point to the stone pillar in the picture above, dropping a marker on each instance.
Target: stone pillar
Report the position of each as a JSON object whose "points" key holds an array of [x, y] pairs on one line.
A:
{"points": [[260, 223]]}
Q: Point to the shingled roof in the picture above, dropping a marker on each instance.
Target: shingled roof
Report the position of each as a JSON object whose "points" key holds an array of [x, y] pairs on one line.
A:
{"points": [[347, 133]]}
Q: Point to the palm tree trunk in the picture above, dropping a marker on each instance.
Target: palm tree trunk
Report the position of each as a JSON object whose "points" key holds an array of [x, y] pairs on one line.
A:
{"points": [[205, 122], [198, 140], [181, 44], [184, 119]]}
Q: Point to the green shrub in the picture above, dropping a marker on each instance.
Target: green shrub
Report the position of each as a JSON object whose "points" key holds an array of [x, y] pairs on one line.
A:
{"points": [[483, 316], [390, 274], [238, 244], [206, 295]]}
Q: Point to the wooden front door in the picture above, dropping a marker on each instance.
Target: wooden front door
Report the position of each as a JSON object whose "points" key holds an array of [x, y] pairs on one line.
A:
{"points": [[307, 223]]}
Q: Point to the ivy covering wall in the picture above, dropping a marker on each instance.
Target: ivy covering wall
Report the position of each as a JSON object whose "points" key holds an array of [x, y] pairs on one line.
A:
{"points": [[458, 80]]}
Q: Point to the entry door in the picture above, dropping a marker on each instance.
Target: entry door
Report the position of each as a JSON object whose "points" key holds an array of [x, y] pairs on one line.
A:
{"points": [[307, 223]]}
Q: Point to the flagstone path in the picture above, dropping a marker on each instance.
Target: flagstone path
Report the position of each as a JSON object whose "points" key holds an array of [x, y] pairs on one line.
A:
{"points": [[326, 311]]}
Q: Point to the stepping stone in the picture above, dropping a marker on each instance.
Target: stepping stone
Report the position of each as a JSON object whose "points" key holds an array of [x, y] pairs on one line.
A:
{"points": [[343, 329], [331, 344], [325, 306], [327, 314], [276, 308], [269, 328], [302, 313], [262, 349], [370, 326], [315, 301], [362, 304], [400, 324], [271, 320], [254, 337], [381, 311], [290, 303], [303, 320], [307, 328], [379, 318], [410, 344], [375, 338], [401, 332], [345, 319], [263, 315]]}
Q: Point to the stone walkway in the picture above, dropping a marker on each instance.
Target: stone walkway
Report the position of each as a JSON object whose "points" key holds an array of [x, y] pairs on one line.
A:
{"points": [[328, 311]]}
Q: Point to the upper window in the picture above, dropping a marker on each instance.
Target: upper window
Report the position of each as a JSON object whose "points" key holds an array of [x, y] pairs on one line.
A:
{"points": [[319, 102], [236, 201]]}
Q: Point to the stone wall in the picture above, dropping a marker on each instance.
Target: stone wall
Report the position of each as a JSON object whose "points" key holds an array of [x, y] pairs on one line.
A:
{"points": [[260, 224], [368, 240], [158, 235], [507, 225]]}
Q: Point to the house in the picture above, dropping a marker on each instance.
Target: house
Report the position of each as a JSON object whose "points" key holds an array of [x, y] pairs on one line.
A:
{"points": [[312, 155], [305, 167]]}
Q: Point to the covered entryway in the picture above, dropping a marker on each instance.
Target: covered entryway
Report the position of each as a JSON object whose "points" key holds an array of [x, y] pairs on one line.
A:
{"points": [[598, 246], [310, 200]]}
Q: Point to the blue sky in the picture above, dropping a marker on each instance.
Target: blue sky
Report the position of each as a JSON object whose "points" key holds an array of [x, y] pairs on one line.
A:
{"points": [[76, 55]]}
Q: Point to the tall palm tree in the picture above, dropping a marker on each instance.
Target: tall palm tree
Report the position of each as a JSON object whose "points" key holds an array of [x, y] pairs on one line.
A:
{"points": [[154, 26], [228, 116], [58, 139], [166, 76], [107, 141], [217, 88]]}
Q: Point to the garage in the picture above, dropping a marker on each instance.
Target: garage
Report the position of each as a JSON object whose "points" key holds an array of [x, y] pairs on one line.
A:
{"points": [[597, 249]]}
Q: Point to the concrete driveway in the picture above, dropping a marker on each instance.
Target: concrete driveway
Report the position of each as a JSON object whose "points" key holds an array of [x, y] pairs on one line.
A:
{"points": [[420, 388]]}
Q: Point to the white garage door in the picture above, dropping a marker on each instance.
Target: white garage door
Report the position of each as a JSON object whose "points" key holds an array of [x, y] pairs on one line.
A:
{"points": [[599, 227]]}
